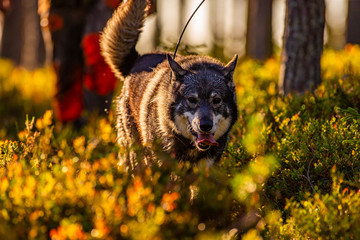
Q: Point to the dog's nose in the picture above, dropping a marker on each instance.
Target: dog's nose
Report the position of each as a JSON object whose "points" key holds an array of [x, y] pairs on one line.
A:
{"points": [[206, 125]]}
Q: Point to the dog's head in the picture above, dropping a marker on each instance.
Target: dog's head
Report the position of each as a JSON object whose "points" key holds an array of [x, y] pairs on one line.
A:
{"points": [[204, 106]]}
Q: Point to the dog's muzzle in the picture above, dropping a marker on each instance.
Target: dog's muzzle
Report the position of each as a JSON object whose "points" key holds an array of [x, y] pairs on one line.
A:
{"points": [[203, 140]]}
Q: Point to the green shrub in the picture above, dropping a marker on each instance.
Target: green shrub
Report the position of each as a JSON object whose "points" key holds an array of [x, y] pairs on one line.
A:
{"points": [[323, 216], [275, 180], [53, 185]]}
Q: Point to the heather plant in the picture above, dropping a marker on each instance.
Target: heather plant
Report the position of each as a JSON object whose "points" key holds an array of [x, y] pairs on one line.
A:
{"points": [[23, 92], [291, 169], [75, 189], [333, 215]]}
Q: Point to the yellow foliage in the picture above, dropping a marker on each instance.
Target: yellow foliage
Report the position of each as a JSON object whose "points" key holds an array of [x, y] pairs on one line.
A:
{"points": [[341, 63], [45, 121], [105, 129], [251, 235], [76, 185], [37, 86], [79, 145], [67, 231]]}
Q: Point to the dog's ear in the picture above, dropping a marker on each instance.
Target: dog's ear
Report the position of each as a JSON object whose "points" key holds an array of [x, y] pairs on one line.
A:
{"points": [[176, 68], [229, 68]]}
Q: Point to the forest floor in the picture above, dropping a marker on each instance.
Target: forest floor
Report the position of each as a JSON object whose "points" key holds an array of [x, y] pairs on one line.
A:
{"points": [[290, 171]]}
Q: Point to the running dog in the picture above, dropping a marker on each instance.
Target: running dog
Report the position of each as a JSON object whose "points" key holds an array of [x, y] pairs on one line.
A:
{"points": [[187, 104]]}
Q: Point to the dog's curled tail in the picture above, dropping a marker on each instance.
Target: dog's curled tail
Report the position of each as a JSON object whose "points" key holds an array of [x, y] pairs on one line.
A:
{"points": [[120, 35]]}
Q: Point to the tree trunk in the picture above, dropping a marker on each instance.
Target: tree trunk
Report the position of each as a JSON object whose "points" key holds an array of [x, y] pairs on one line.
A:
{"points": [[22, 40], [259, 30], [11, 42], [33, 50], [353, 30], [303, 44]]}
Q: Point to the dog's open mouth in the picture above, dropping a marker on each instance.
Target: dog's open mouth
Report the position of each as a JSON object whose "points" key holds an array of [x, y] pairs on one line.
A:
{"points": [[204, 140]]}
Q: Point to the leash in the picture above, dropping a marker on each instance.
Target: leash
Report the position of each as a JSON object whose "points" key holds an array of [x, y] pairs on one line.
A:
{"points": [[183, 31]]}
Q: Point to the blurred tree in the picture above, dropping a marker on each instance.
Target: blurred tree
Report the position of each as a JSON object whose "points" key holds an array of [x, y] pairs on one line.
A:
{"points": [[22, 40], [259, 33], [33, 48], [11, 41], [303, 45], [353, 30]]}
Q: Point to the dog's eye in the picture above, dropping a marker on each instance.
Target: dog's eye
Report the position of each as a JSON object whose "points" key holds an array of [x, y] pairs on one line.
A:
{"points": [[216, 100], [192, 100]]}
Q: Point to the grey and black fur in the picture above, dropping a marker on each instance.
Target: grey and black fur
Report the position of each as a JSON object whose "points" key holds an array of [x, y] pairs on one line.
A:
{"points": [[188, 105]]}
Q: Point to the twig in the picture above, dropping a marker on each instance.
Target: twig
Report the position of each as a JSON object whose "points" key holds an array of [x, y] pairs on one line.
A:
{"points": [[307, 177]]}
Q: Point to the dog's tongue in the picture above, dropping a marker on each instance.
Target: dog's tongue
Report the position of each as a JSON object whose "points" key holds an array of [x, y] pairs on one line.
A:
{"points": [[207, 139]]}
